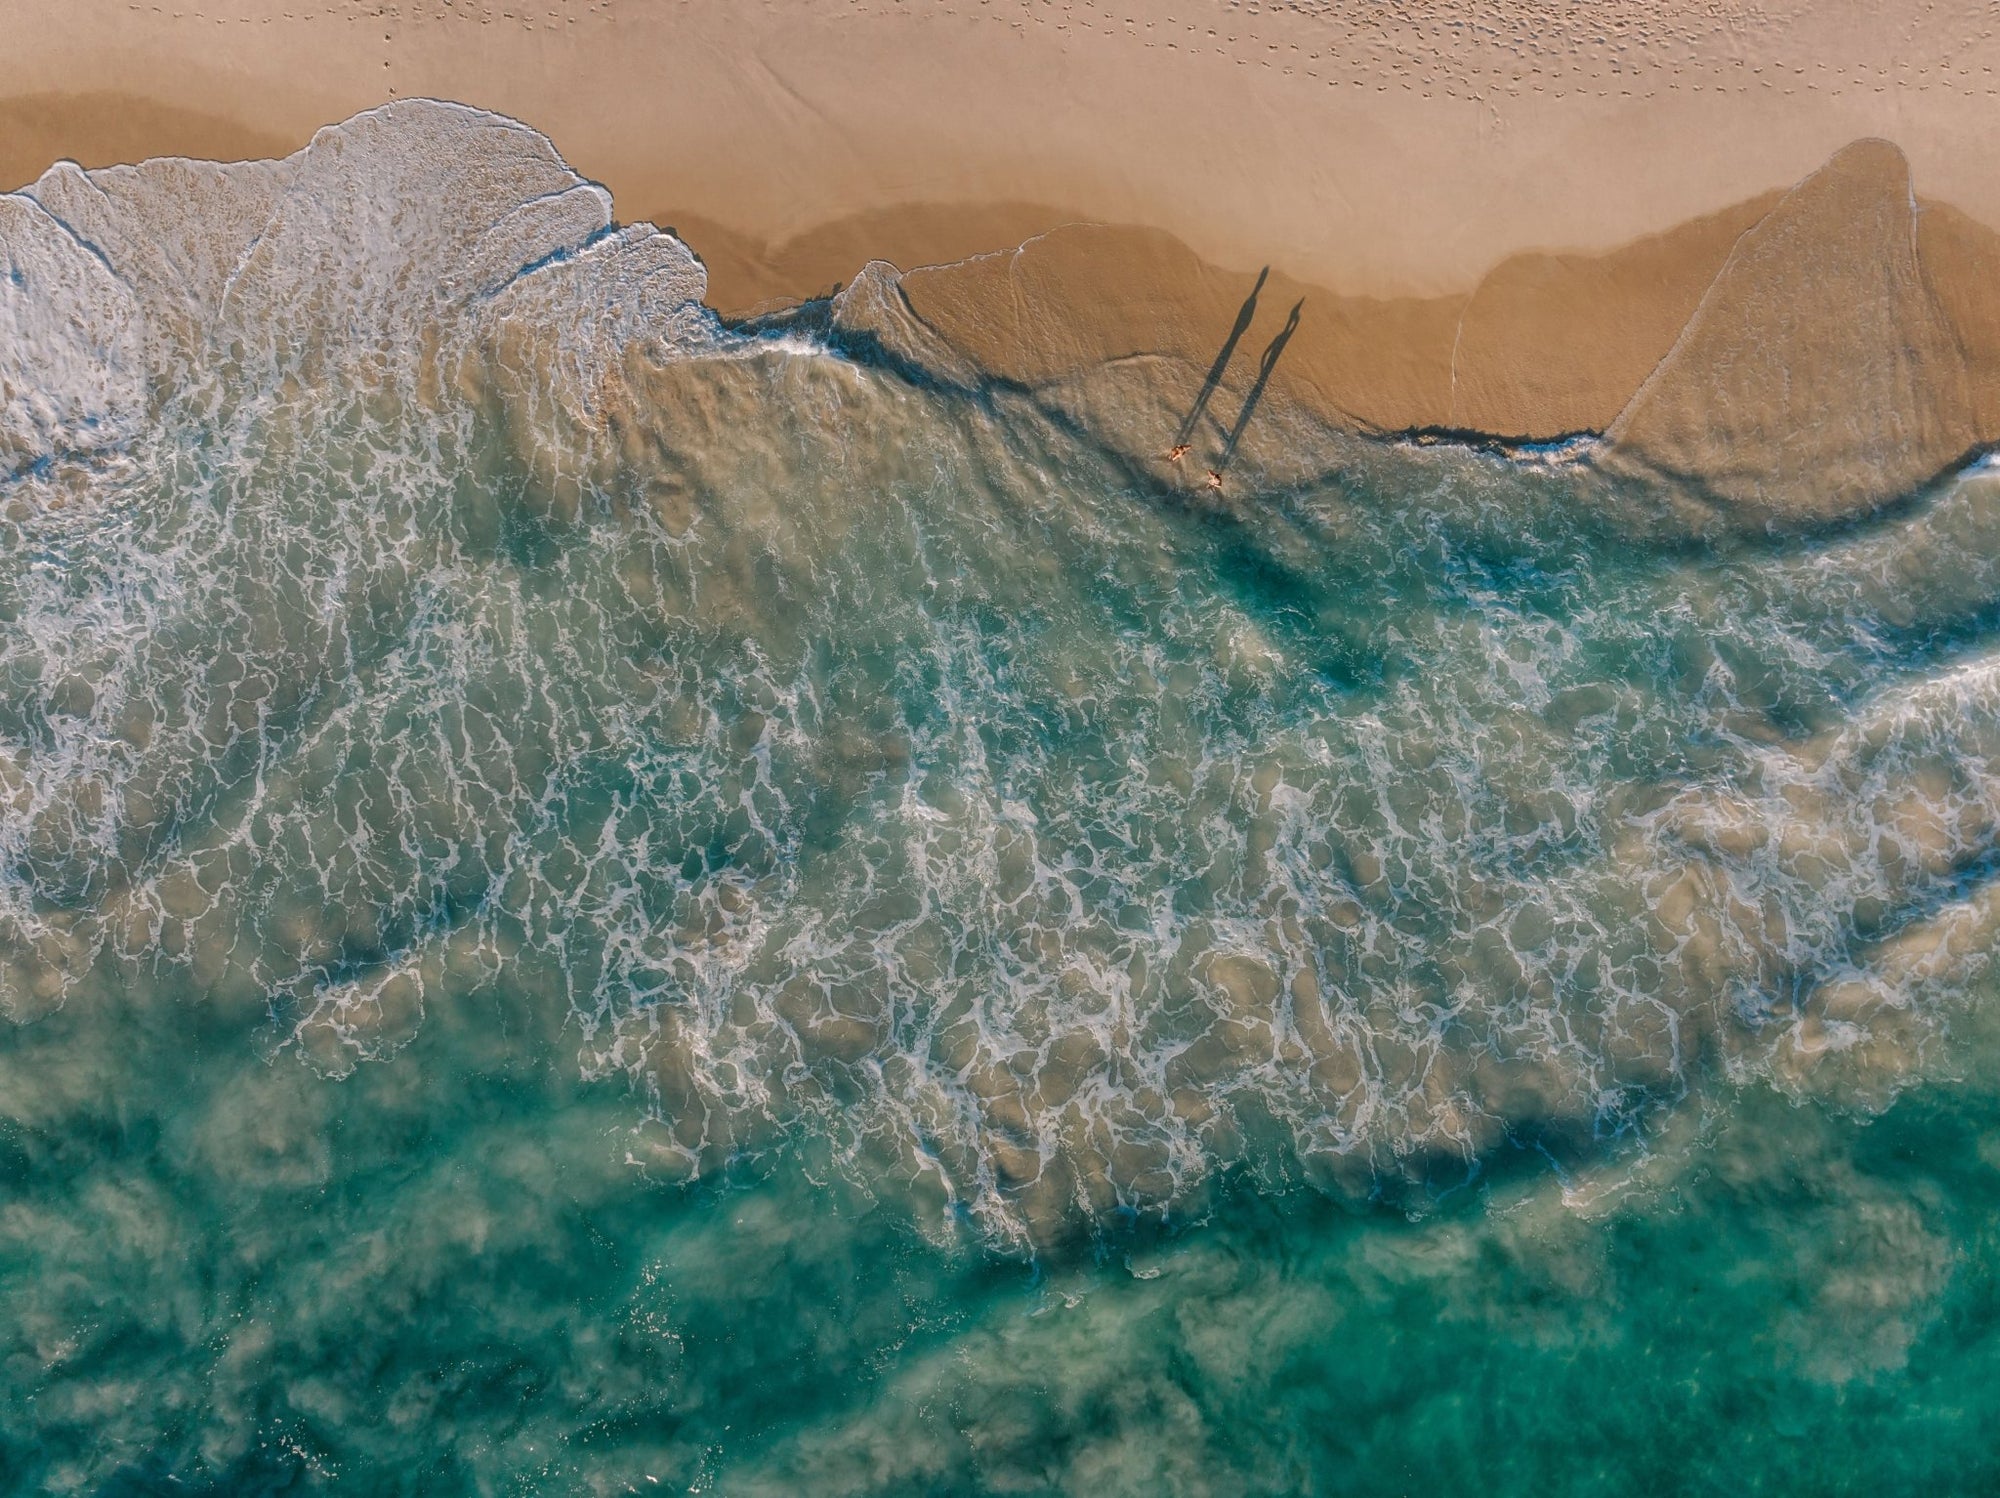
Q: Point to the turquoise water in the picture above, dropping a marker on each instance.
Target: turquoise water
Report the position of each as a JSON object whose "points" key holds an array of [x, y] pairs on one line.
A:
{"points": [[589, 903]]}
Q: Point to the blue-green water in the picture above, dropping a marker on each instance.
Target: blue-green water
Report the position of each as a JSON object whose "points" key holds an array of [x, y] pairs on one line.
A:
{"points": [[591, 904]]}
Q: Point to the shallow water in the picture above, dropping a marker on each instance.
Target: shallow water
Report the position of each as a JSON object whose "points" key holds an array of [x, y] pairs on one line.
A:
{"points": [[591, 902]]}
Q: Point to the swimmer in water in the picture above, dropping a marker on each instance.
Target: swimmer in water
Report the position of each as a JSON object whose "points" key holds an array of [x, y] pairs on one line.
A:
{"points": [[1215, 480], [1177, 452]]}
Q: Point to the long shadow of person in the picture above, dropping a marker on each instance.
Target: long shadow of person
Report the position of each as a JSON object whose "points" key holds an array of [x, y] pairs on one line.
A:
{"points": [[1264, 368], [1245, 315]]}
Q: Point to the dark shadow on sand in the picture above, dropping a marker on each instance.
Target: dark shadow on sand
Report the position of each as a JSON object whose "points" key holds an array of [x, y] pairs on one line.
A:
{"points": [[1265, 366], [1244, 317]]}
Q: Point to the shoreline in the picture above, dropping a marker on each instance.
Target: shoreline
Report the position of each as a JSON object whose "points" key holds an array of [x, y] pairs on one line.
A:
{"points": [[1491, 222], [1792, 360]]}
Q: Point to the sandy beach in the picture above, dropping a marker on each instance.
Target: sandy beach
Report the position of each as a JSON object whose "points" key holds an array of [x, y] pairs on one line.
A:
{"points": [[1499, 218], [1372, 155], [1109, 748]]}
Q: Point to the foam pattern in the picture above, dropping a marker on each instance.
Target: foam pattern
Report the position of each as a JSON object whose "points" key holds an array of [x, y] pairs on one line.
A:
{"points": [[410, 591]]}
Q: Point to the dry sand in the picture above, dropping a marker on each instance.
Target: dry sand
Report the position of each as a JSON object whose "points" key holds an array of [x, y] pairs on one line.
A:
{"points": [[1373, 153], [1499, 216]]}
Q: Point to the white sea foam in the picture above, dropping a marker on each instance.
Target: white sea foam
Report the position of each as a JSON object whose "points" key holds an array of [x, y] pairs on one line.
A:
{"points": [[71, 377], [407, 233], [855, 757]]}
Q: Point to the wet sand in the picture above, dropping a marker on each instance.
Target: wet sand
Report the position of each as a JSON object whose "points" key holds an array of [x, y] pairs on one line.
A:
{"points": [[1494, 219], [1543, 346]]}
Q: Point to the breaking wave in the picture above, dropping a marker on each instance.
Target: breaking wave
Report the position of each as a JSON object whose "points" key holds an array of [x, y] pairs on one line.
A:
{"points": [[409, 588]]}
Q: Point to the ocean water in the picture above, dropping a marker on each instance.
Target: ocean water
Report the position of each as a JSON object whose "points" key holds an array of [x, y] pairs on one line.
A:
{"points": [[592, 903]]}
